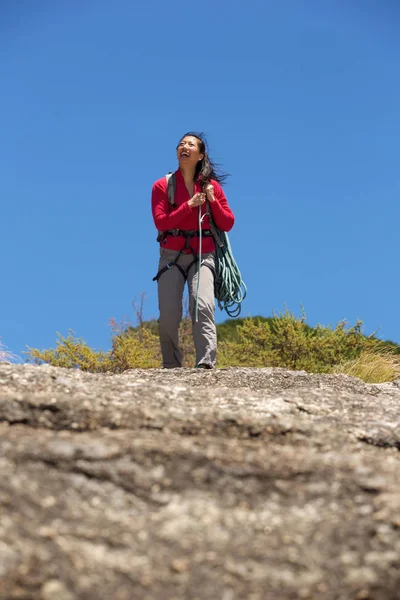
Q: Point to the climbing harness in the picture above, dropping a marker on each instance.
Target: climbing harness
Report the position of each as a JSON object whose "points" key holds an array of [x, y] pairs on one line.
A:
{"points": [[229, 287], [188, 234]]}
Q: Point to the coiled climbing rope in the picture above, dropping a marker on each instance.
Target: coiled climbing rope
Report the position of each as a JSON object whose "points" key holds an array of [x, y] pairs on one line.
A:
{"points": [[229, 287]]}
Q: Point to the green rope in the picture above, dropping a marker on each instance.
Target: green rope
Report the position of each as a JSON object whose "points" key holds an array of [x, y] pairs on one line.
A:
{"points": [[196, 318], [230, 289]]}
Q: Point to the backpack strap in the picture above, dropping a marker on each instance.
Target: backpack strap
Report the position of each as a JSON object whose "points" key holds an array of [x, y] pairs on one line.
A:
{"points": [[213, 228], [171, 187]]}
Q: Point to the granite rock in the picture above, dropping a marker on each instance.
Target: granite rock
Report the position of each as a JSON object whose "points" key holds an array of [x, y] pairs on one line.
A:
{"points": [[256, 484]]}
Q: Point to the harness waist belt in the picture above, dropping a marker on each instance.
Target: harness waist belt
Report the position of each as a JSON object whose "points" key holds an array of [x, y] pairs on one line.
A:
{"points": [[188, 232]]}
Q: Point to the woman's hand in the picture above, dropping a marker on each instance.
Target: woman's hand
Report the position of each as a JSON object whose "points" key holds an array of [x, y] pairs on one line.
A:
{"points": [[197, 200], [210, 192]]}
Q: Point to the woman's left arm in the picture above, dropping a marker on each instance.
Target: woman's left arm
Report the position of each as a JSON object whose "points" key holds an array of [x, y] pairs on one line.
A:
{"points": [[221, 212]]}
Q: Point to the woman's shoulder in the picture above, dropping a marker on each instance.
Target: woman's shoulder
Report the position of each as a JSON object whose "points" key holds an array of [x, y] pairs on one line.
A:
{"points": [[160, 184]]}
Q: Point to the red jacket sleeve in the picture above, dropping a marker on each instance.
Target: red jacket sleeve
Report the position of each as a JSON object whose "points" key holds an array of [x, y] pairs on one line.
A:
{"points": [[221, 212], [165, 217]]}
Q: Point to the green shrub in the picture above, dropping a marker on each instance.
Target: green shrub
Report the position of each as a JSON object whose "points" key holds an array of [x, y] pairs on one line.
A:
{"points": [[287, 341], [136, 349], [72, 353]]}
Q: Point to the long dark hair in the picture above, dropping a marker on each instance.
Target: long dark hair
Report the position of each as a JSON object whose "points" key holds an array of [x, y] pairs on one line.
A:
{"points": [[206, 168]]}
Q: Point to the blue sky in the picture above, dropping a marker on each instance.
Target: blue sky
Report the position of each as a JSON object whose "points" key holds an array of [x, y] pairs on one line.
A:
{"points": [[300, 103]]}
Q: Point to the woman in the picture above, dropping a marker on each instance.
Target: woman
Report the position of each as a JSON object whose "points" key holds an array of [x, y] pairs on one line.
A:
{"points": [[196, 184]]}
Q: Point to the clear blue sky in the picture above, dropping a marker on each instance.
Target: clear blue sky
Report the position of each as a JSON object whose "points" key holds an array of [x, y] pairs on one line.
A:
{"points": [[300, 102]]}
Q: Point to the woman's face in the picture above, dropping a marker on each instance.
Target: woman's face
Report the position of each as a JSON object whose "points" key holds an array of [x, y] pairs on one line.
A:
{"points": [[188, 151]]}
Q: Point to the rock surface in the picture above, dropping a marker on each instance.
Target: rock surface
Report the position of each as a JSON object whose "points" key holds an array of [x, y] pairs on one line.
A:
{"points": [[255, 484]]}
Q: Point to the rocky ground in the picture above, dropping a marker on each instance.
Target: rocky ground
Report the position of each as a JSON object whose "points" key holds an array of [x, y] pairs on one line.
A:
{"points": [[255, 484]]}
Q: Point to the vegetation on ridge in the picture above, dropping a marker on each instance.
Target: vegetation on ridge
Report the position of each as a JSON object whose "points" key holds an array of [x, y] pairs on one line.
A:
{"points": [[283, 340]]}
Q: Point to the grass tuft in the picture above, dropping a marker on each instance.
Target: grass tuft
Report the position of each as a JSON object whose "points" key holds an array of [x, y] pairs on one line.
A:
{"points": [[5, 355], [373, 366]]}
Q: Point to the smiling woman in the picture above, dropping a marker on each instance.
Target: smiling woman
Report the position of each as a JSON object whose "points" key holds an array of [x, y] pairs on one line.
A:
{"points": [[185, 207]]}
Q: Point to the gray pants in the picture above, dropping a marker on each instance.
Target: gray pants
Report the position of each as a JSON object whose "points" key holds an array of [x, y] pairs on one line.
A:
{"points": [[170, 295]]}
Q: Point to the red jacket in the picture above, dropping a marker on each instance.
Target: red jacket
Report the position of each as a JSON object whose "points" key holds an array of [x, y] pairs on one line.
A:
{"points": [[183, 217]]}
